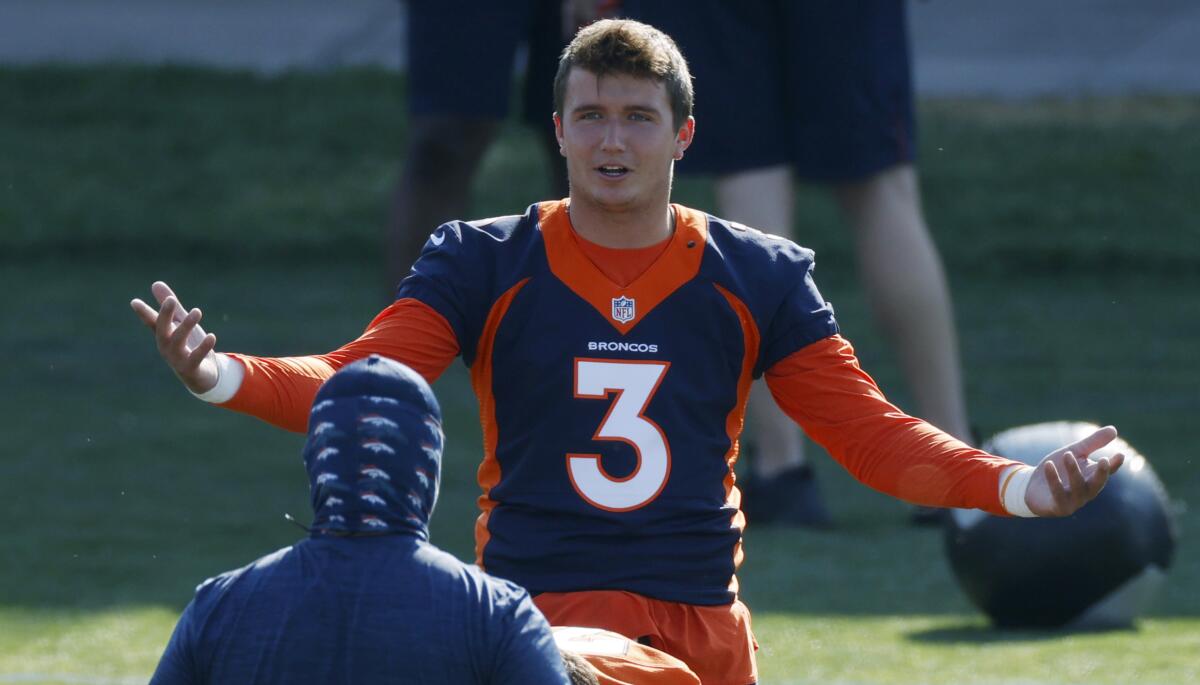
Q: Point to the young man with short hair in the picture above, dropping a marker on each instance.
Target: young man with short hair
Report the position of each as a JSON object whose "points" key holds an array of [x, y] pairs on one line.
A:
{"points": [[612, 339]]}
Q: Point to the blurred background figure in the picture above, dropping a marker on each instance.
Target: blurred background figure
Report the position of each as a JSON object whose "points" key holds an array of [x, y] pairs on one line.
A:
{"points": [[821, 91], [461, 57], [365, 598]]}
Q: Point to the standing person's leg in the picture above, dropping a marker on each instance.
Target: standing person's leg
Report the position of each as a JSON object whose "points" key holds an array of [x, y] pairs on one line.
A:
{"points": [[857, 135], [442, 154], [546, 39], [907, 290], [460, 60], [763, 198], [734, 53], [782, 488]]}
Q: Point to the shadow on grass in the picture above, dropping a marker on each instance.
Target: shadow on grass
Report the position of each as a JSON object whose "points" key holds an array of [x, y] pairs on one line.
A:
{"points": [[977, 634]]}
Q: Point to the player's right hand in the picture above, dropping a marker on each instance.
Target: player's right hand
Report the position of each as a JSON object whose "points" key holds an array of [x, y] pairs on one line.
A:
{"points": [[187, 349]]}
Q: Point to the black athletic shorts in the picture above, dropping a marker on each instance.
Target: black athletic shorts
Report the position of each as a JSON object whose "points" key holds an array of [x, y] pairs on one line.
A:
{"points": [[822, 85], [462, 56]]}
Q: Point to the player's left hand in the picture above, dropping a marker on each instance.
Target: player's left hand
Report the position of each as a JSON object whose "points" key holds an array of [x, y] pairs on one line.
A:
{"points": [[1066, 479]]}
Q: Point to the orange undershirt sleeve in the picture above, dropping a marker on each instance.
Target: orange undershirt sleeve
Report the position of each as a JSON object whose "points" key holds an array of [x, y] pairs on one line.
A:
{"points": [[280, 390], [823, 388]]}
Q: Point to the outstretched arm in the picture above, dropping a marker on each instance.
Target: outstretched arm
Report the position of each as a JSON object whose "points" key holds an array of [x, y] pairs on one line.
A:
{"points": [[823, 388], [279, 390]]}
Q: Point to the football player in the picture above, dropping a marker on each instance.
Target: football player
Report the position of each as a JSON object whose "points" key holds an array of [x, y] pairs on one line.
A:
{"points": [[612, 339]]}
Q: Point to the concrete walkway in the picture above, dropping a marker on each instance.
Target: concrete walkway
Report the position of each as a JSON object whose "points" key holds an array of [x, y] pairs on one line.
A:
{"points": [[1015, 48]]}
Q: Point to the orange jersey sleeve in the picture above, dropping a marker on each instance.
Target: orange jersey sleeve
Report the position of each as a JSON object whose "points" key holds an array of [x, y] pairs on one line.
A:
{"points": [[823, 388], [280, 390]]}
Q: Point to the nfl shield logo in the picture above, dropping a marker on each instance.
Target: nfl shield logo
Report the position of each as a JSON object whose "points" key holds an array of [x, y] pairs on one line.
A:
{"points": [[623, 309]]}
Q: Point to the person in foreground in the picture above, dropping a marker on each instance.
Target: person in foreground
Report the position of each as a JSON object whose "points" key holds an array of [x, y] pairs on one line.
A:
{"points": [[365, 598], [612, 339], [612, 659]]}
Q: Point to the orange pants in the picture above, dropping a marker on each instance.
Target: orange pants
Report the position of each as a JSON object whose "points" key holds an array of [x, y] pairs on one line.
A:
{"points": [[714, 641]]}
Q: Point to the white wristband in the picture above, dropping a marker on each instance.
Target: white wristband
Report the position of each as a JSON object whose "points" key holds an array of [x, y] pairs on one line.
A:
{"points": [[230, 373], [1014, 482]]}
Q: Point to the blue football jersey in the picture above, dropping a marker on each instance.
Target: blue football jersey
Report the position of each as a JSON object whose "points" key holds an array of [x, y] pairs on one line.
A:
{"points": [[611, 413]]}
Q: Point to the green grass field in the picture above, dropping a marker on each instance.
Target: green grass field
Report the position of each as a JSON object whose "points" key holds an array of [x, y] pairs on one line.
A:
{"points": [[1073, 245]]}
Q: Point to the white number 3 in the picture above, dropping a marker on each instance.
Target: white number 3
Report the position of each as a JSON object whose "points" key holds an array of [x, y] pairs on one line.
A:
{"points": [[634, 383]]}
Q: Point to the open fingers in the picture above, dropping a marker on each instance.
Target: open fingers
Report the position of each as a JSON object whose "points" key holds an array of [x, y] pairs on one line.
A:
{"points": [[166, 314], [164, 294], [161, 291], [144, 312], [1115, 461], [1098, 477], [207, 345], [1090, 443], [1058, 492], [1076, 483], [179, 336]]}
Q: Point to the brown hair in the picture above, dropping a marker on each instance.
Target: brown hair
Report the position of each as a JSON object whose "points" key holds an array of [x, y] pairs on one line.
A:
{"points": [[624, 46], [579, 671]]}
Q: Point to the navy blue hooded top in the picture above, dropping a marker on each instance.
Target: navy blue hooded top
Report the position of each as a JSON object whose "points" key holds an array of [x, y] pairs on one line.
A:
{"points": [[365, 598]]}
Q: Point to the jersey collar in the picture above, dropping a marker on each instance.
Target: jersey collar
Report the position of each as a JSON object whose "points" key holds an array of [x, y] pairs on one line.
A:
{"points": [[623, 306]]}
